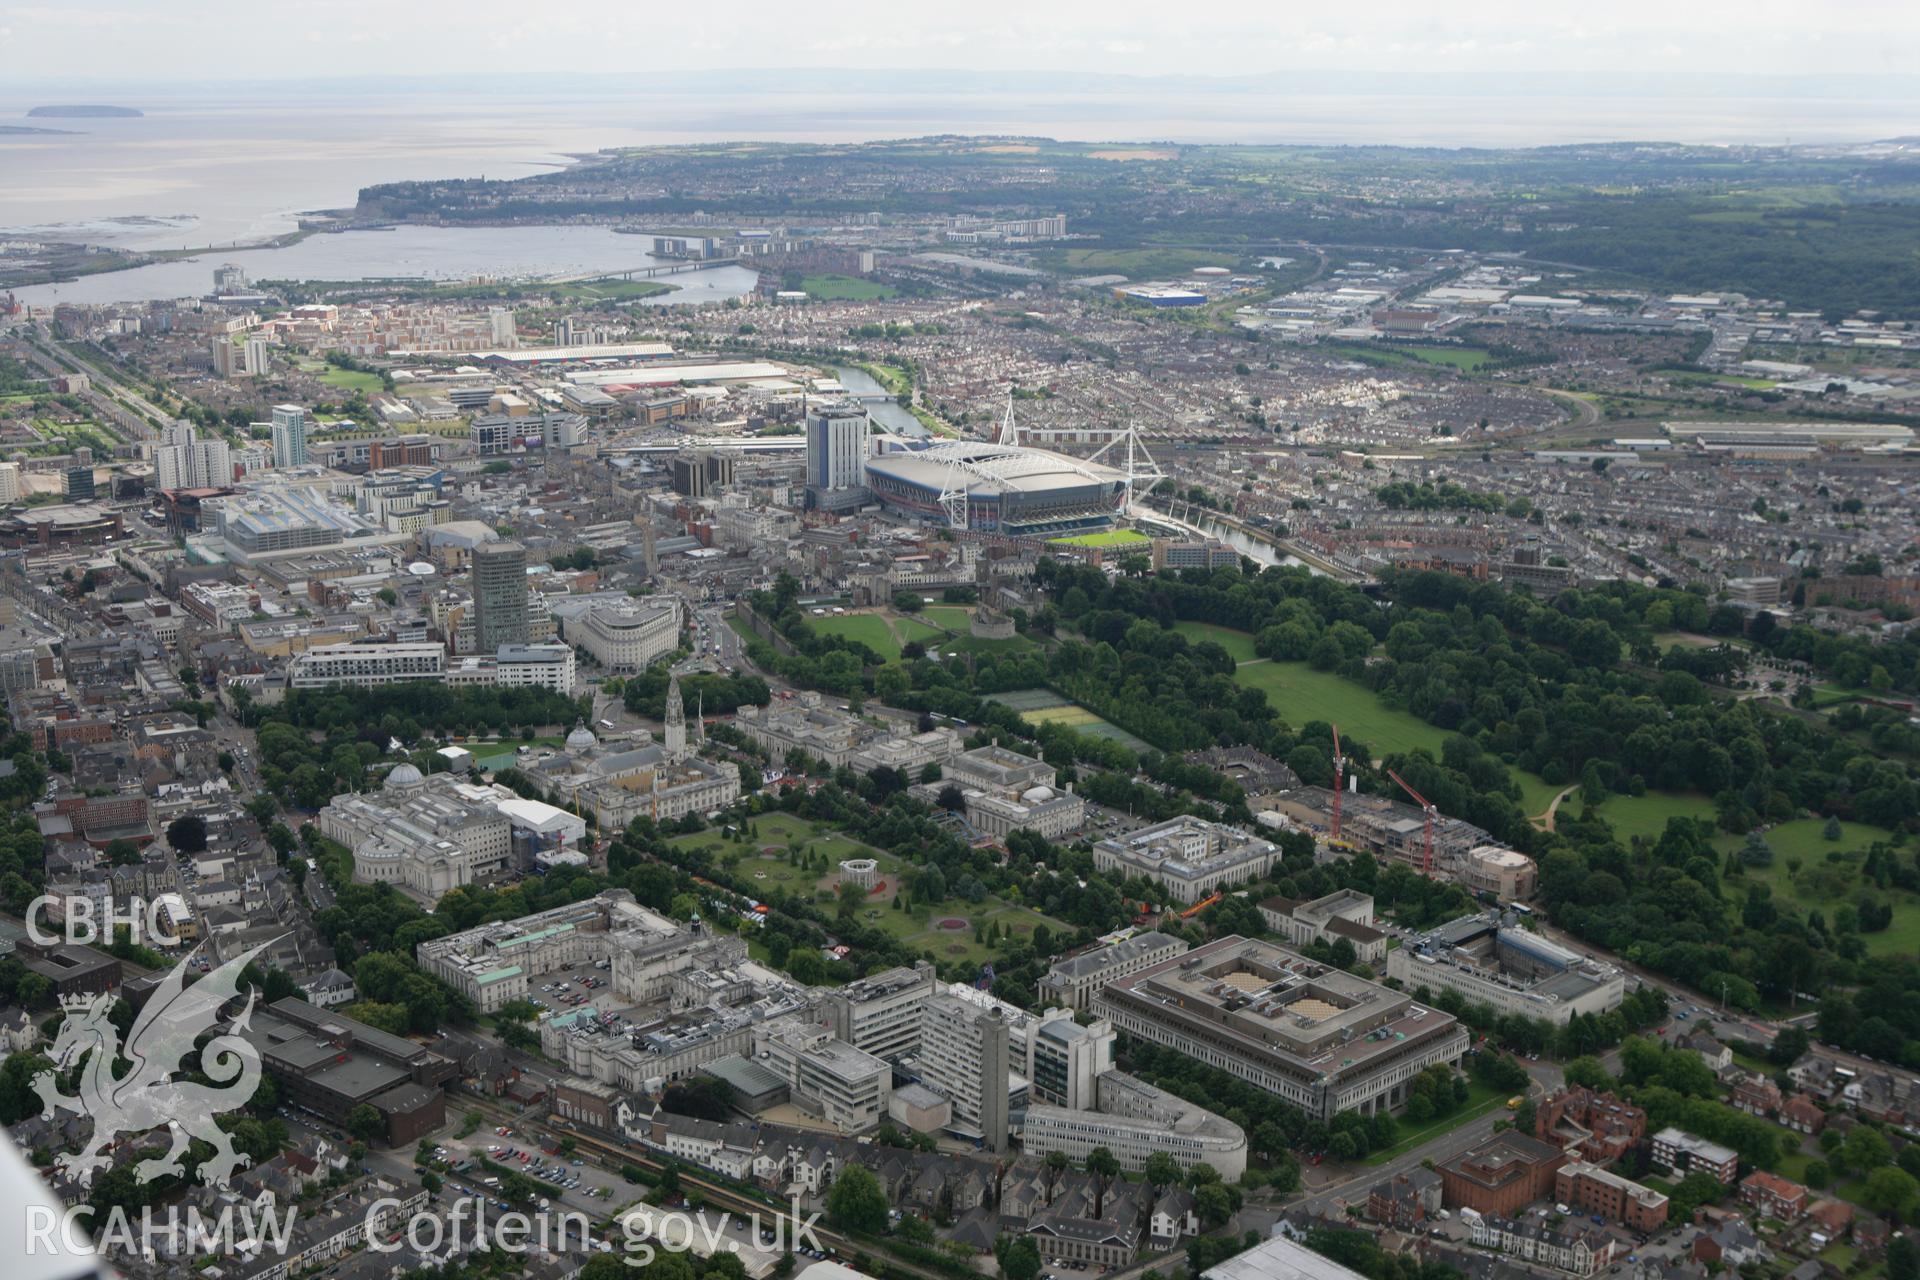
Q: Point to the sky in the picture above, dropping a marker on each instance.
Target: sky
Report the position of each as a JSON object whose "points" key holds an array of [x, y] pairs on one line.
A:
{"points": [[197, 41]]}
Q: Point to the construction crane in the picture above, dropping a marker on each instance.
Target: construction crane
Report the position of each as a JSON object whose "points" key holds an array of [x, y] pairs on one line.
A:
{"points": [[1201, 905], [1427, 808], [1339, 769]]}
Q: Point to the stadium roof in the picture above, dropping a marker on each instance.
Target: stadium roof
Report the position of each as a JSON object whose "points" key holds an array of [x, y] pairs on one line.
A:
{"points": [[992, 468]]}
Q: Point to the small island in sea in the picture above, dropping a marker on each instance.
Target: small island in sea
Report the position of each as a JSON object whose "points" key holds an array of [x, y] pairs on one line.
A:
{"points": [[15, 130], [85, 111]]}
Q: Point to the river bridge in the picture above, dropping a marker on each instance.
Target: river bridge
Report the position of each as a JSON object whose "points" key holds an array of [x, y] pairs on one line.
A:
{"points": [[1206, 522], [651, 272]]}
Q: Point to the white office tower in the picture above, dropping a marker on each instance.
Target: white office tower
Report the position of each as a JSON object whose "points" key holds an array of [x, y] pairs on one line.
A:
{"points": [[963, 1054], [184, 461], [9, 482], [837, 446], [500, 329], [256, 357], [173, 466], [173, 456], [289, 435], [212, 465]]}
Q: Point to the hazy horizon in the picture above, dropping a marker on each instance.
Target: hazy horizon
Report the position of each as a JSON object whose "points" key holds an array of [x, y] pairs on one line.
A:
{"points": [[81, 41]]}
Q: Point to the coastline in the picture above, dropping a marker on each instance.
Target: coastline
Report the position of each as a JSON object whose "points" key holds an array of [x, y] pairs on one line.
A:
{"points": [[149, 257]]}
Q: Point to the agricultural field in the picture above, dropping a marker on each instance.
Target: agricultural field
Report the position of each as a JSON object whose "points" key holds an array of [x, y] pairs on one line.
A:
{"points": [[1811, 872], [845, 289], [1044, 706]]}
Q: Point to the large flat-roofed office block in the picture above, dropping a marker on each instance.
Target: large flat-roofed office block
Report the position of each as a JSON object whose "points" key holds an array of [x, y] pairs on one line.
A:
{"points": [[1324, 1040], [1496, 963], [1188, 856], [881, 1013], [1135, 1120], [330, 1064], [1073, 982]]}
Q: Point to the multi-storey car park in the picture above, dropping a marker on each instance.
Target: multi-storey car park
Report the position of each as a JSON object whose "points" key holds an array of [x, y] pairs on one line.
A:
{"points": [[1324, 1040]]}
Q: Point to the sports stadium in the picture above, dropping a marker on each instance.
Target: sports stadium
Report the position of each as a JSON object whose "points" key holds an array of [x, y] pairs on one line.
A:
{"points": [[997, 488]]}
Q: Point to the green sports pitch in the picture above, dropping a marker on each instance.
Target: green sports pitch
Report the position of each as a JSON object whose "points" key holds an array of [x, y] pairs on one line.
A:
{"points": [[1110, 538]]}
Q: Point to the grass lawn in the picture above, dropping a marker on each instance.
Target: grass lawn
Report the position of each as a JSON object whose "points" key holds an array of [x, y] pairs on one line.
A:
{"points": [[845, 288], [773, 872], [1110, 538], [950, 631], [1480, 1100], [920, 928], [953, 617], [1828, 876], [1693, 640], [1044, 706], [1696, 377], [1536, 793], [1137, 264], [1081, 720], [1795, 1165], [612, 290], [353, 380], [869, 629], [1300, 694], [912, 628], [1645, 815], [964, 643], [890, 376], [1832, 695], [1466, 359], [1238, 644], [1839, 1254]]}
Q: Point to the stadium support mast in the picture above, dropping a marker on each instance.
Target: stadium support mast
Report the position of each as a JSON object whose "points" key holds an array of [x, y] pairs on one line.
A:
{"points": [[1141, 470]]}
